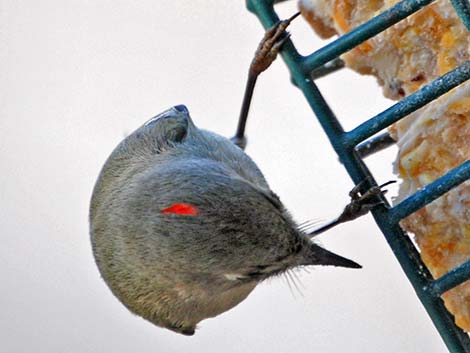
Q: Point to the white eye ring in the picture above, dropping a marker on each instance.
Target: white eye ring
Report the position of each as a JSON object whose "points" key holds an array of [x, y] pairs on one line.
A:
{"points": [[161, 115]]}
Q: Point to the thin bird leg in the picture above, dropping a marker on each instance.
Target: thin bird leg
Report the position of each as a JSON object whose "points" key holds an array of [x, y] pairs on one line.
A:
{"points": [[359, 206], [266, 53]]}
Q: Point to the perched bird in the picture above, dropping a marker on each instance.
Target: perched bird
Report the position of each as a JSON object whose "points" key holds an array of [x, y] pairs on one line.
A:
{"points": [[184, 225]]}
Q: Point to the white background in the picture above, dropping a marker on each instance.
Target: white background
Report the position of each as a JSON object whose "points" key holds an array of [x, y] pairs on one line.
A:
{"points": [[76, 77]]}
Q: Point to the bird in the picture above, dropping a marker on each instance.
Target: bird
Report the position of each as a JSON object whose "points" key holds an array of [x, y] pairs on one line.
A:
{"points": [[184, 225]]}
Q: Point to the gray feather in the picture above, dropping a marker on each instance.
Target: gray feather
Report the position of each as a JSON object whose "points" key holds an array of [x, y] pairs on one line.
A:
{"points": [[176, 270]]}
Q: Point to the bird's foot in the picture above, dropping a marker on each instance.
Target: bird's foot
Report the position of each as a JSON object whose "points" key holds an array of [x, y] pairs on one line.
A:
{"points": [[270, 45], [362, 204]]}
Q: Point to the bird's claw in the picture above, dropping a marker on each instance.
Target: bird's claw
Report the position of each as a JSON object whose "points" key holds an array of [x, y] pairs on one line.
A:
{"points": [[269, 47], [362, 204]]}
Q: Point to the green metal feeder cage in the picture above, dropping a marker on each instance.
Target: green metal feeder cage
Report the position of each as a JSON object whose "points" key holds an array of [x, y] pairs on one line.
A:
{"points": [[349, 146]]}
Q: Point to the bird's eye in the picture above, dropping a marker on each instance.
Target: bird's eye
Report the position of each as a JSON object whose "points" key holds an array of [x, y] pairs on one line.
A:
{"points": [[181, 209]]}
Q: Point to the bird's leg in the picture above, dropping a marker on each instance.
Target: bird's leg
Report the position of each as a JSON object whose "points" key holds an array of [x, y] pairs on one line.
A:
{"points": [[359, 205], [266, 53]]}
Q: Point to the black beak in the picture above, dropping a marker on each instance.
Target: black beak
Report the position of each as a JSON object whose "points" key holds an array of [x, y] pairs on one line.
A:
{"points": [[320, 256]]}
